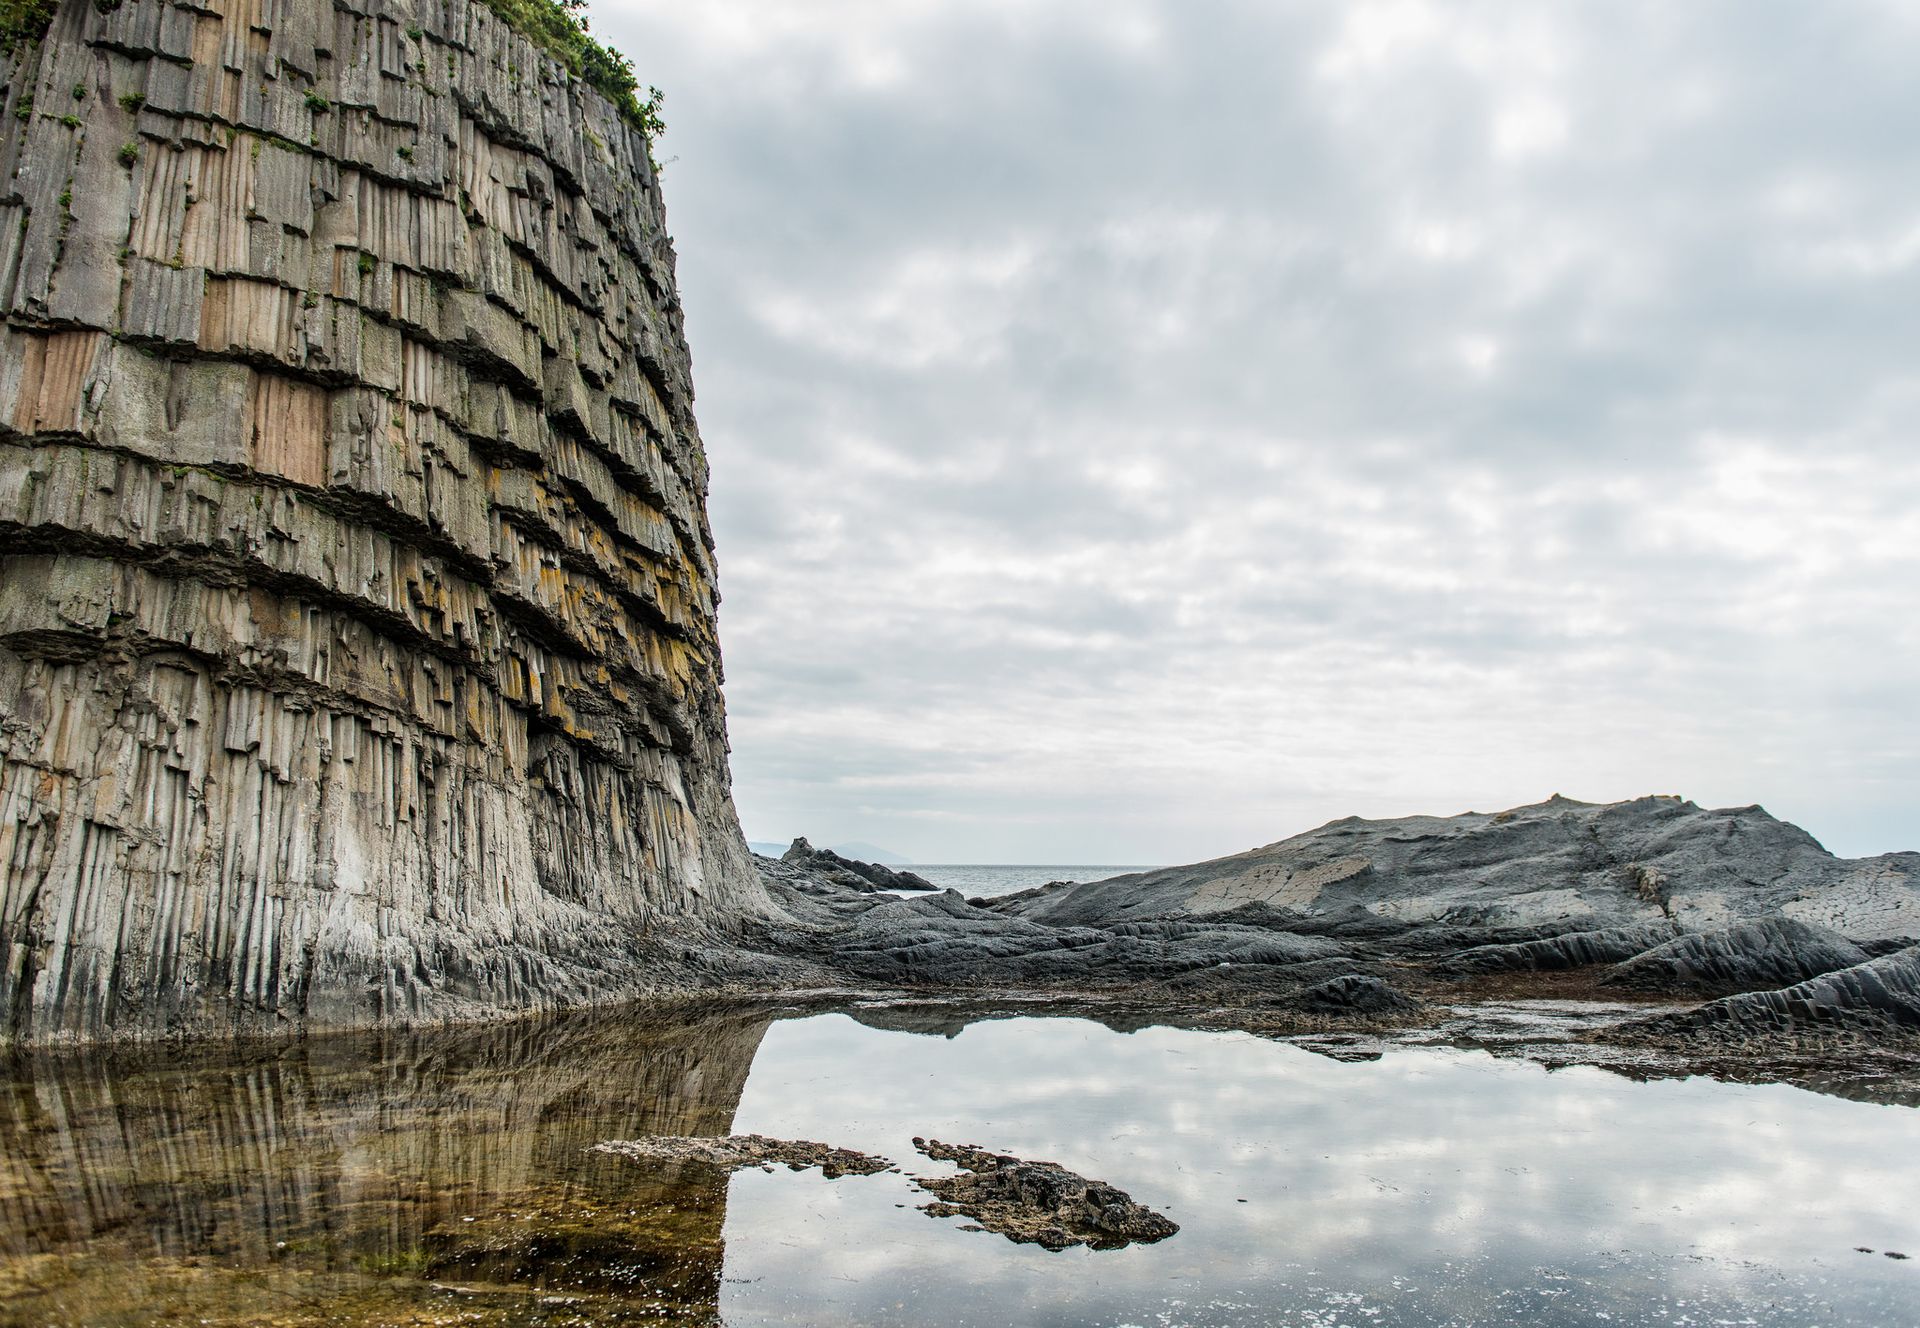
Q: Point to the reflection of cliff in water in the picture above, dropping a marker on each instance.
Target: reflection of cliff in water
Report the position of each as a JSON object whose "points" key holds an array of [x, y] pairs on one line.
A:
{"points": [[361, 1170]]}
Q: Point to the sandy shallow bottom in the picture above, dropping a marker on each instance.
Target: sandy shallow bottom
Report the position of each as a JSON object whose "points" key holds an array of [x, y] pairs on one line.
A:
{"points": [[1484, 1171]]}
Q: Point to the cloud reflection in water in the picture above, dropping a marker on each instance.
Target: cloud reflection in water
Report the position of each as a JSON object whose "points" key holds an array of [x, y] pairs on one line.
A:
{"points": [[1428, 1187]]}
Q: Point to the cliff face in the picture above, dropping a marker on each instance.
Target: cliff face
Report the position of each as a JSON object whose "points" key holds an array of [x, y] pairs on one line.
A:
{"points": [[357, 645]]}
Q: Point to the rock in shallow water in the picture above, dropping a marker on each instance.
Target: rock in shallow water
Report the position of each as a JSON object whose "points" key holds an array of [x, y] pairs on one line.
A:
{"points": [[737, 1151], [1037, 1203]]}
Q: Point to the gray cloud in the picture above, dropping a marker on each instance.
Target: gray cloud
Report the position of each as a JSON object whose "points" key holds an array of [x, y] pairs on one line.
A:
{"points": [[1142, 430]]}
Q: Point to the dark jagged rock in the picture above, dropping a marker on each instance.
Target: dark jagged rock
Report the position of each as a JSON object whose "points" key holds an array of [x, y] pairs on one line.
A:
{"points": [[829, 866], [941, 941], [1357, 994], [1577, 949], [1037, 1203], [1877, 1000], [1751, 956]]}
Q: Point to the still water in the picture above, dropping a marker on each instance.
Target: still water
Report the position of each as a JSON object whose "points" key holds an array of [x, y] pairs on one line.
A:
{"points": [[450, 1179]]}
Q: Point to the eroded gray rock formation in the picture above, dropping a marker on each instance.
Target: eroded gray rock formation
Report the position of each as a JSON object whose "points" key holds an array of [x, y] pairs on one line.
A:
{"points": [[867, 876], [1381, 923], [1875, 1000], [1577, 949], [1554, 868], [1750, 956], [357, 645]]}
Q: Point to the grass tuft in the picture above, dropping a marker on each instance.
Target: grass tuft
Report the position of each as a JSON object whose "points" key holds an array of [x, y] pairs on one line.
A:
{"points": [[24, 21], [560, 26]]}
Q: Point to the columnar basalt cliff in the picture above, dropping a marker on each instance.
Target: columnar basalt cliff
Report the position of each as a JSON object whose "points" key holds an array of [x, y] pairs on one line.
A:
{"points": [[357, 645]]}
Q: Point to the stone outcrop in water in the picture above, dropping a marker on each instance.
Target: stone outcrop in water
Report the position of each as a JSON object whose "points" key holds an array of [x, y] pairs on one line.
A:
{"points": [[357, 644], [1037, 1203], [737, 1152]]}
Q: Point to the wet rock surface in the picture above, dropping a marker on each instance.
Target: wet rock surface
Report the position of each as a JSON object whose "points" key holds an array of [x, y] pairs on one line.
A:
{"points": [[737, 1151], [1037, 1203]]}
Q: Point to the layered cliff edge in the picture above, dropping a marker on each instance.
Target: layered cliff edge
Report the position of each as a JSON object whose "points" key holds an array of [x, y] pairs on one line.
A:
{"points": [[357, 641]]}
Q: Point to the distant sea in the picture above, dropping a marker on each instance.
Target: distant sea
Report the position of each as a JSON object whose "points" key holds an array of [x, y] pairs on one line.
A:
{"points": [[972, 878]]}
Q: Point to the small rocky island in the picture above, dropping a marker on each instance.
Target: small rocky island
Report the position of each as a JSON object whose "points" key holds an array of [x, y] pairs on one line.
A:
{"points": [[1029, 1202]]}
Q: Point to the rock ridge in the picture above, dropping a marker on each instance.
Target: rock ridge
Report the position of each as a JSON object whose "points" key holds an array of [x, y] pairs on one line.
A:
{"points": [[1372, 925]]}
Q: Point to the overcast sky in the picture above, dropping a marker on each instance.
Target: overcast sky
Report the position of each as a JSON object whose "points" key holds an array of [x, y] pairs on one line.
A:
{"points": [[1141, 431]]}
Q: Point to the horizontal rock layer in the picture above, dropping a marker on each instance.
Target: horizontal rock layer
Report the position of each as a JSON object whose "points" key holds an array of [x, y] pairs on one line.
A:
{"points": [[357, 644]]}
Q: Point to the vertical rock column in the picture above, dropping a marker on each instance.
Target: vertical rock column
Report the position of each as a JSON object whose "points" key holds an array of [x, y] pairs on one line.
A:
{"points": [[357, 645]]}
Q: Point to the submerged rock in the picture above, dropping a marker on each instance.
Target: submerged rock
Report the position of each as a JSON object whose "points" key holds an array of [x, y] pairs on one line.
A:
{"points": [[1037, 1203], [737, 1151]]}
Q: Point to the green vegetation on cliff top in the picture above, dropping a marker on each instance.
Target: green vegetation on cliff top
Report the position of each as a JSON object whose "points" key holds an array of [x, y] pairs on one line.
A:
{"points": [[24, 20], [561, 28], [557, 26]]}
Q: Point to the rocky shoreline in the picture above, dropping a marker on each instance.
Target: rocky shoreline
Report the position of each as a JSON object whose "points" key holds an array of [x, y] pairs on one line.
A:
{"points": [[1670, 938], [1731, 928]]}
